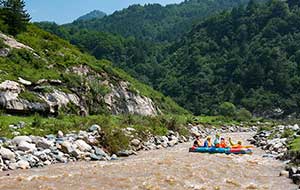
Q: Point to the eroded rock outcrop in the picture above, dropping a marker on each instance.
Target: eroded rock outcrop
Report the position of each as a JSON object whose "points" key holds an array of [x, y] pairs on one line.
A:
{"points": [[122, 101]]}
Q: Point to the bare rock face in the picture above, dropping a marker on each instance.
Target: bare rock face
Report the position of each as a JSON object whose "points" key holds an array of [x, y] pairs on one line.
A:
{"points": [[58, 99], [12, 43], [9, 98], [122, 101]]}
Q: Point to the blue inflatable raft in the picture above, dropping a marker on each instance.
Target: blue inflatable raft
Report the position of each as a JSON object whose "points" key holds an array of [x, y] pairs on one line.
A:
{"points": [[213, 150]]}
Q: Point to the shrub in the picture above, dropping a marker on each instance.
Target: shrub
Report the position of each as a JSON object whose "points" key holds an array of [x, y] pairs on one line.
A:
{"points": [[37, 121], [227, 109], [243, 115]]}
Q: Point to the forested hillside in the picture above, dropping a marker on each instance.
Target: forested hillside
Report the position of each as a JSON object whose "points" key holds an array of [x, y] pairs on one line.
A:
{"points": [[249, 57], [156, 22], [140, 54]]}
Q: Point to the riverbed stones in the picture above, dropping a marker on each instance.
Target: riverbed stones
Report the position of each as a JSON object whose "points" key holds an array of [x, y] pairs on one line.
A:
{"points": [[60, 134]]}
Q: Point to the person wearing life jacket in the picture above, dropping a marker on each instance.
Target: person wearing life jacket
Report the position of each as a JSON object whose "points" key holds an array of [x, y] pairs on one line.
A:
{"points": [[207, 142], [233, 145], [217, 141], [223, 143], [197, 142]]}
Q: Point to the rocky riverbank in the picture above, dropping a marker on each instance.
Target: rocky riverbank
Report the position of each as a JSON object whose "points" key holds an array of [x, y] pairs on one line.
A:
{"points": [[24, 152], [275, 141]]}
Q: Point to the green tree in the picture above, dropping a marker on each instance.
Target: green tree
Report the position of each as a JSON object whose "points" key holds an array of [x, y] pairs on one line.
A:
{"points": [[227, 109], [13, 14]]}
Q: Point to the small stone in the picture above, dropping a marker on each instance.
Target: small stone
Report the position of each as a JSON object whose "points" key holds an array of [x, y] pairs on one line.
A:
{"points": [[60, 134], [114, 157], [95, 157], [284, 173], [135, 142], [23, 164], [94, 128], [296, 178], [125, 153], [100, 152], [172, 143], [12, 166]]}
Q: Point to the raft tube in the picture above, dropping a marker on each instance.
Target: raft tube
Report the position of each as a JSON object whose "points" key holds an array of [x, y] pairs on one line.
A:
{"points": [[213, 150]]}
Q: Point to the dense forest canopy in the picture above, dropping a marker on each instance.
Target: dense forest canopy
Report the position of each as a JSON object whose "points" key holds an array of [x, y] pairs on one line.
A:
{"points": [[248, 55], [156, 22]]}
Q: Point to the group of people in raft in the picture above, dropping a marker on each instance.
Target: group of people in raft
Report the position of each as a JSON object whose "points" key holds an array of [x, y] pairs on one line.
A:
{"points": [[218, 142]]}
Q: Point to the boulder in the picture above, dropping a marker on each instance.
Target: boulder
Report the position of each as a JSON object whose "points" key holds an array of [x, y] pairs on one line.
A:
{"points": [[83, 146], [24, 82], [284, 173], [23, 164], [94, 128], [135, 142], [95, 157], [17, 140], [66, 147], [172, 143], [44, 143], [25, 146], [60, 134], [7, 154]]}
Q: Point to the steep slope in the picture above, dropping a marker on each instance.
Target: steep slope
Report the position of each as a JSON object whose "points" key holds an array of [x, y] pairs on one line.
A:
{"points": [[96, 14], [156, 22], [151, 26], [45, 74], [249, 57]]}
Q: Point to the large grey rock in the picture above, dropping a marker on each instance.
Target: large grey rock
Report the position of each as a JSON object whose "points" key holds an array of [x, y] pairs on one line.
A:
{"points": [[7, 154], [58, 99], [17, 140], [67, 147], [44, 143], [83, 146], [25, 146], [123, 101]]}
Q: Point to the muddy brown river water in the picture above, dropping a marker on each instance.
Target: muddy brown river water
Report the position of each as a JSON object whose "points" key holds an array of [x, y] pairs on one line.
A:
{"points": [[173, 168]]}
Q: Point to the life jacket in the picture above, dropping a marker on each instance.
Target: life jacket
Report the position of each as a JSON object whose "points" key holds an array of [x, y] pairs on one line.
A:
{"points": [[197, 143], [223, 145], [207, 143]]}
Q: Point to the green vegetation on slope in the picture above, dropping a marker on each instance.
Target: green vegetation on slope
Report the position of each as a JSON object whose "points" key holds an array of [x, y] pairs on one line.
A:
{"points": [[156, 22], [247, 56], [51, 58]]}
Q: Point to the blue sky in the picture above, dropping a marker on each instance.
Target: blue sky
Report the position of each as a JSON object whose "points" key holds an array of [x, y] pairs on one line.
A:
{"points": [[65, 11]]}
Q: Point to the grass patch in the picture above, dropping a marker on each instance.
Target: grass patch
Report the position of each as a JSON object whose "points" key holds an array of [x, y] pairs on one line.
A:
{"points": [[31, 97], [295, 145]]}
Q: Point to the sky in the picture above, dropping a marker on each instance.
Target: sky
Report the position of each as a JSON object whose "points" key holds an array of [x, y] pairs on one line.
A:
{"points": [[65, 11]]}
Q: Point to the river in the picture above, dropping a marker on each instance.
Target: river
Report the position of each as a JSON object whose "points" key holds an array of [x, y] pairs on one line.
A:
{"points": [[173, 168]]}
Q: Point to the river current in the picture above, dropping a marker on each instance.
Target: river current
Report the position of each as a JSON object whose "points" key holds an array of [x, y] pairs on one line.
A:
{"points": [[173, 168]]}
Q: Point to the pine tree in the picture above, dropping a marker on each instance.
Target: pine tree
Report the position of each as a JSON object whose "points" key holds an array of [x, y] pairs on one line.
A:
{"points": [[14, 15]]}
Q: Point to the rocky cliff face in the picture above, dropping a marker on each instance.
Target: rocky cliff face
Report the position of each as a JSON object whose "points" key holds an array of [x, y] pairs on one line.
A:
{"points": [[82, 90]]}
